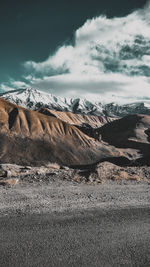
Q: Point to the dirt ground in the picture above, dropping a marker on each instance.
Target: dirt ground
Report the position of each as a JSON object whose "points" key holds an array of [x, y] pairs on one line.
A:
{"points": [[62, 195], [49, 189]]}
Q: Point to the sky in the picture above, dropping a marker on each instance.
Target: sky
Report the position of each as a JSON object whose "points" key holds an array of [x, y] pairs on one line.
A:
{"points": [[92, 49]]}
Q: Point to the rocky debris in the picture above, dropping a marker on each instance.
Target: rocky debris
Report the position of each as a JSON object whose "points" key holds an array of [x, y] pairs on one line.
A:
{"points": [[101, 173], [126, 176], [9, 182], [9, 170], [106, 171], [53, 166], [27, 174], [10, 174]]}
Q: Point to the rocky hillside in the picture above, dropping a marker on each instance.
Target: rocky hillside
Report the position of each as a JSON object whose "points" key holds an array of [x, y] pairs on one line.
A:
{"points": [[29, 137], [132, 133]]}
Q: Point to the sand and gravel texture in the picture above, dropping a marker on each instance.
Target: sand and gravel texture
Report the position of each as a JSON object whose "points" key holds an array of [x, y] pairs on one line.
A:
{"points": [[51, 189]]}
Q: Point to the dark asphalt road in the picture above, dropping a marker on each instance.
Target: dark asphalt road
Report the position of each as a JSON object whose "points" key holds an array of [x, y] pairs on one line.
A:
{"points": [[96, 238]]}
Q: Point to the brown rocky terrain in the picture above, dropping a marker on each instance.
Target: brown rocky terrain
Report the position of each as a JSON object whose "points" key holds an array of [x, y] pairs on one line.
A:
{"points": [[31, 138], [132, 133], [104, 172], [86, 123], [77, 119]]}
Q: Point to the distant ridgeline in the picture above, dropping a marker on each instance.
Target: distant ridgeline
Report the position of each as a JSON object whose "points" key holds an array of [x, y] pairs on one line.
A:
{"points": [[34, 99]]}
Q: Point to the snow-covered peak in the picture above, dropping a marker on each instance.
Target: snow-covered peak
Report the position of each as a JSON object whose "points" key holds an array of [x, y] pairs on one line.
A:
{"points": [[34, 99], [30, 98], [127, 109]]}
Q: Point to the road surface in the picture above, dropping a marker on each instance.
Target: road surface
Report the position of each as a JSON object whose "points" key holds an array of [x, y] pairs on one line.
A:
{"points": [[99, 237]]}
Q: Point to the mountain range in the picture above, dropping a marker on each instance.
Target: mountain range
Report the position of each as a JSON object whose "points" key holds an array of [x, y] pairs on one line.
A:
{"points": [[29, 137], [37, 132], [33, 99]]}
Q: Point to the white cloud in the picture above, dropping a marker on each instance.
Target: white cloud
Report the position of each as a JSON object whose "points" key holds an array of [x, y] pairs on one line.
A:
{"points": [[109, 56], [4, 87], [96, 87], [12, 85], [18, 84]]}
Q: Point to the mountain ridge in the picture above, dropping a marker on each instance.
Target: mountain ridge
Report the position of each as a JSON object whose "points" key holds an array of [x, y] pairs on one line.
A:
{"points": [[29, 137], [34, 99]]}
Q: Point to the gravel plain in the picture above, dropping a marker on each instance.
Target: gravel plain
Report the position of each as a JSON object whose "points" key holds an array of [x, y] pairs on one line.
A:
{"points": [[57, 191]]}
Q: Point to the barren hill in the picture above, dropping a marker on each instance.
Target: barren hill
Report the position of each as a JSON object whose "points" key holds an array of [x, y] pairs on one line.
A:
{"points": [[29, 137], [76, 118], [131, 132]]}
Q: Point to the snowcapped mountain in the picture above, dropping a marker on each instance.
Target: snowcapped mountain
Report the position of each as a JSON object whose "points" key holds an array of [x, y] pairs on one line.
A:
{"points": [[34, 99], [128, 109]]}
